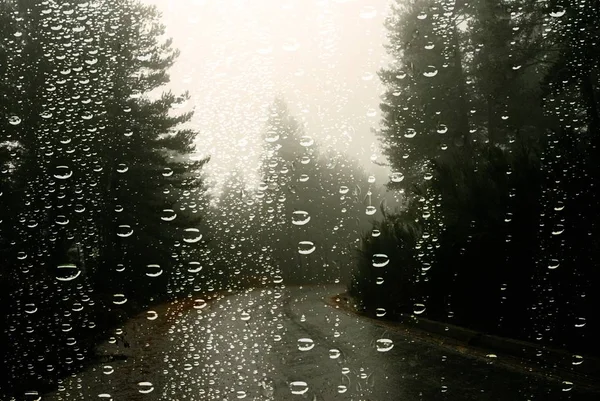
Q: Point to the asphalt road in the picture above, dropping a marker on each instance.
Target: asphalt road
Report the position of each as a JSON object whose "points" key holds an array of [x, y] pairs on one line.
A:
{"points": [[290, 345]]}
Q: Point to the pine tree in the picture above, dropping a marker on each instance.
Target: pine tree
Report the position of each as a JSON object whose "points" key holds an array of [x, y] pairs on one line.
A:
{"points": [[99, 178]]}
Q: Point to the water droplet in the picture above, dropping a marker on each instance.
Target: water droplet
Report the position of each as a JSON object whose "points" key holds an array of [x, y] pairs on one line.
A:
{"points": [[577, 360], [153, 270], [245, 316], [430, 71], [306, 141], [191, 235], [119, 299], [303, 178], [107, 369], [300, 218], [428, 176], [122, 168], [341, 389], [422, 16], [375, 233], [62, 172], [371, 210], [124, 230], [67, 272], [418, 309], [397, 177], [30, 309], [168, 215], [298, 387], [151, 315], [442, 129], [344, 189], [567, 386], [306, 247], [334, 353], [384, 344], [558, 13], [145, 387], [580, 322], [305, 344], [380, 260], [194, 267], [14, 120], [380, 312], [167, 172], [410, 133], [199, 304], [554, 263], [379, 280]]}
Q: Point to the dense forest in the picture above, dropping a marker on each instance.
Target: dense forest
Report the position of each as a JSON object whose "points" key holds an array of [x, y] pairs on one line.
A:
{"points": [[490, 125], [95, 176]]}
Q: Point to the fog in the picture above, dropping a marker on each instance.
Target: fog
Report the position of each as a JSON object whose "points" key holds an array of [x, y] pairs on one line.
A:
{"points": [[321, 56]]}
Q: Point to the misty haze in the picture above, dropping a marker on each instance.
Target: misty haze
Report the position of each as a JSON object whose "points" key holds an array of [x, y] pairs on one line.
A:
{"points": [[299, 200]]}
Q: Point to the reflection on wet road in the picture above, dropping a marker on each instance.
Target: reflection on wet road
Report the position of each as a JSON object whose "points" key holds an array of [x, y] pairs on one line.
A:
{"points": [[287, 344]]}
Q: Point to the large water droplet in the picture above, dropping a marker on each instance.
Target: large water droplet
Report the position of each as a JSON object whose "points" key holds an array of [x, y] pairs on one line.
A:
{"points": [[145, 387], [305, 344], [298, 387], [397, 177], [168, 215], [194, 267], [62, 172], [334, 353], [384, 344], [380, 260], [67, 272], [191, 235], [430, 71], [119, 299], [300, 218], [306, 247], [418, 309], [124, 230], [153, 270]]}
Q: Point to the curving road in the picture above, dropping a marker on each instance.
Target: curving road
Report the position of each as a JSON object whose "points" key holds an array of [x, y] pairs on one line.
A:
{"points": [[287, 344]]}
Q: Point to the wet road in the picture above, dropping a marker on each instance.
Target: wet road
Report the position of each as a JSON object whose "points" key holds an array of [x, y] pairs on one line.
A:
{"points": [[287, 344]]}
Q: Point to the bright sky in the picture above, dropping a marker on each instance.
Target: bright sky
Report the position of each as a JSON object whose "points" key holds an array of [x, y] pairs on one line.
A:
{"points": [[237, 55]]}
